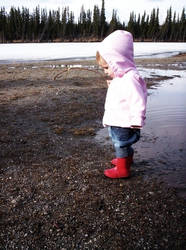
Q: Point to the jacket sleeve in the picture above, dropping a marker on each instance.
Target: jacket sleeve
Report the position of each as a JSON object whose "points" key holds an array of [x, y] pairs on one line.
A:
{"points": [[138, 98]]}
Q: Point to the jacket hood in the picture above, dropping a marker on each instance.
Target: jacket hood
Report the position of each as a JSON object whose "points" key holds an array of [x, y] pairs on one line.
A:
{"points": [[117, 51]]}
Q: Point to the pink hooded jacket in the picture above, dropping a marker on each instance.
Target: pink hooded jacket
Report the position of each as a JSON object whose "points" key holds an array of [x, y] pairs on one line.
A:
{"points": [[125, 104]]}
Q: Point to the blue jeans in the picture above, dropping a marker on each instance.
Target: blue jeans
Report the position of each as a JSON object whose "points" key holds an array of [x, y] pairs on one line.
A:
{"points": [[122, 139]]}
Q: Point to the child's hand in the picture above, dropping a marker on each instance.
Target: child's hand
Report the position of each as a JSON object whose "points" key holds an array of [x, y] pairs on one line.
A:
{"points": [[108, 82]]}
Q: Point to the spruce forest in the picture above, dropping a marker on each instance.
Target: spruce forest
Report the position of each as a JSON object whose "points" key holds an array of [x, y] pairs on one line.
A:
{"points": [[20, 25]]}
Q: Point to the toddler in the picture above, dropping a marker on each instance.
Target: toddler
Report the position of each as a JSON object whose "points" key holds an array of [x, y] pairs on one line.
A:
{"points": [[126, 98]]}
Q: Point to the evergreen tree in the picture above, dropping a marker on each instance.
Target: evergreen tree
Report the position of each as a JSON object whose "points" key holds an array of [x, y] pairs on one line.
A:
{"points": [[37, 23], [103, 20], [82, 22], [64, 22], [138, 27], [57, 23], [89, 22], [114, 23], [3, 25], [132, 23], [12, 24], [96, 21], [71, 26], [166, 27], [182, 25], [143, 26], [43, 25], [51, 23], [153, 28], [25, 24], [174, 32], [157, 25]]}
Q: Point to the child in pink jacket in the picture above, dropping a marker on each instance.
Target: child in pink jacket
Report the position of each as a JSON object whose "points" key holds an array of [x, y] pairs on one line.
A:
{"points": [[126, 98]]}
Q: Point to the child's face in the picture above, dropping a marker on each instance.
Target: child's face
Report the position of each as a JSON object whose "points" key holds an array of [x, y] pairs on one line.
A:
{"points": [[107, 70]]}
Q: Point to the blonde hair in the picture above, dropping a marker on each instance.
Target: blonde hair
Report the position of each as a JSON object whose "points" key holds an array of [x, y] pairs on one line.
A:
{"points": [[100, 60]]}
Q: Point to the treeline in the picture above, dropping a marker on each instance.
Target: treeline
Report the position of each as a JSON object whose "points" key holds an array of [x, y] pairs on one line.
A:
{"points": [[19, 25]]}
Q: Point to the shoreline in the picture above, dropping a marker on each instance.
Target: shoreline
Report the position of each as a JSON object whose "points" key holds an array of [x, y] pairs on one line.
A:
{"points": [[91, 40], [53, 192], [175, 58]]}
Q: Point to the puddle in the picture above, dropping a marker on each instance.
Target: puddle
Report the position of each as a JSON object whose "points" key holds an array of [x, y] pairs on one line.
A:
{"points": [[148, 73], [163, 142]]}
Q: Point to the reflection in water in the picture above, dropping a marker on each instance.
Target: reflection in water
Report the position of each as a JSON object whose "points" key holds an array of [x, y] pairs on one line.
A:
{"points": [[163, 142], [166, 116]]}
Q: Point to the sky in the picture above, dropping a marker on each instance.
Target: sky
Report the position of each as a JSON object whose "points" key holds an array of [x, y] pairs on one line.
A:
{"points": [[123, 7]]}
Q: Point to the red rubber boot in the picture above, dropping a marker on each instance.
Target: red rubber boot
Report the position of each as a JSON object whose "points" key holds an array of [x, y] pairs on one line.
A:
{"points": [[121, 170], [114, 161]]}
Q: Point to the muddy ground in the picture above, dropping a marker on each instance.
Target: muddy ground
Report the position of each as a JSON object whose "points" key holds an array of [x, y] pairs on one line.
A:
{"points": [[53, 191]]}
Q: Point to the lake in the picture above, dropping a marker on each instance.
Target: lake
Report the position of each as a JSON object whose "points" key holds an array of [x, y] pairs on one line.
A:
{"points": [[24, 52]]}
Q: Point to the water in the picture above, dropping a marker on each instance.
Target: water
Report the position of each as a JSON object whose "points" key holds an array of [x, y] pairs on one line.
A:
{"points": [[166, 119], [163, 142], [26, 52]]}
